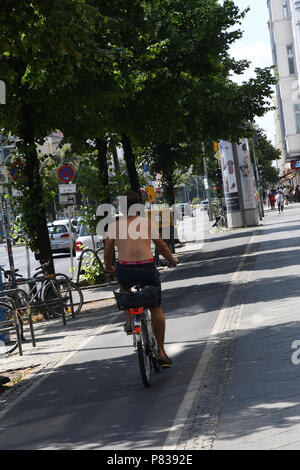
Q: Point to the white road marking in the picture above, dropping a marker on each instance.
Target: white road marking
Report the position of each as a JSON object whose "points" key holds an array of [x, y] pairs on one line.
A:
{"points": [[219, 327]]}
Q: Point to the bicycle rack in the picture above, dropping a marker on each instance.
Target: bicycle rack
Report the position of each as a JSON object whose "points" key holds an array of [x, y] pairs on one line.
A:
{"points": [[95, 253]]}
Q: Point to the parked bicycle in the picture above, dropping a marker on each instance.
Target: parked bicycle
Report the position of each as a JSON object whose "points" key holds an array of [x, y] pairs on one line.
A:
{"points": [[53, 295], [144, 340], [221, 217], [12, 319]]}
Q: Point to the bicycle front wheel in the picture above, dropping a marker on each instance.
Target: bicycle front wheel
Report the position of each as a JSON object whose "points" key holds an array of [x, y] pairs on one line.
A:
{"points": [[144, 354]]}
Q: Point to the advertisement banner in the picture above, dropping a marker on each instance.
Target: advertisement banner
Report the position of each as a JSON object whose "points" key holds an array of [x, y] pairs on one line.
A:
{"points": [[229, 177], [246, 172]]}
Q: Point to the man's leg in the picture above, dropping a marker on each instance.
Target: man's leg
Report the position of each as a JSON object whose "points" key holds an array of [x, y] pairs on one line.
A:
{"points": [[127, 327], [159, 326]]}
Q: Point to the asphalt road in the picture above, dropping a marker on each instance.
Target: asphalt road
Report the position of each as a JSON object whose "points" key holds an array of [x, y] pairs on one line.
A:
{"points": [[62, 261], [96, 399]]}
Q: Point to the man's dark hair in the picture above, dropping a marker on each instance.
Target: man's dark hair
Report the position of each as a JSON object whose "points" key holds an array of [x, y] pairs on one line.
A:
{"points": [[132, 198]]}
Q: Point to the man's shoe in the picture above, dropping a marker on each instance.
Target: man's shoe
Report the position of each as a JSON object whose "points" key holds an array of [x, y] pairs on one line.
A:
{"points": [[128, 329], [165, 362]]}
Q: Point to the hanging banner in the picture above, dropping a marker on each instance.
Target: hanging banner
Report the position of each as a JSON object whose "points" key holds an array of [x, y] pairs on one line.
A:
{"points": [[229, 177]]}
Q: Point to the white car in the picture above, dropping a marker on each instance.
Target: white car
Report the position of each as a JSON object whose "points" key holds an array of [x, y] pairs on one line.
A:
{"points": [[60, 236], [205, 204], [84, 240]]}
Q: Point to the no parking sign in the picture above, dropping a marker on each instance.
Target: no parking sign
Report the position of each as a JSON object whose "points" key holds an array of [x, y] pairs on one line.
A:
{"points": [[66, 173]]}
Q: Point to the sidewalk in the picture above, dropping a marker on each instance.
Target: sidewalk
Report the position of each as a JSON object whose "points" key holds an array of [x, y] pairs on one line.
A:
{"points": [[249, 396]]}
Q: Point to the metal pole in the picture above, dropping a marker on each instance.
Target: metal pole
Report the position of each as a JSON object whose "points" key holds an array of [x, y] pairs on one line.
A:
{"points": [[71, 241], [207, 191], [3, 317], [28, 262], [6, 228]]}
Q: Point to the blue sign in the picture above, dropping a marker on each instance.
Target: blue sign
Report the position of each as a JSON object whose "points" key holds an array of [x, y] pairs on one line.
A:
{"points": [[66, 173]]}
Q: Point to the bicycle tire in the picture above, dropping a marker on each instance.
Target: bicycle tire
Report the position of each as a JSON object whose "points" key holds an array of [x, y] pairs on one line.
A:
{"points": [[63, 286], [153, 343], [13, 344], [143, 349], [11, 301]]}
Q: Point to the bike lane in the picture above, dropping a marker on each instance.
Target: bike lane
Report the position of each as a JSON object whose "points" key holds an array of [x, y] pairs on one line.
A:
{"points": [[96, 400]]}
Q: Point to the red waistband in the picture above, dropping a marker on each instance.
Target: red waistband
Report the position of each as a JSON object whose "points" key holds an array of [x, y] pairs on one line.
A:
{"points": [[137, 262]]}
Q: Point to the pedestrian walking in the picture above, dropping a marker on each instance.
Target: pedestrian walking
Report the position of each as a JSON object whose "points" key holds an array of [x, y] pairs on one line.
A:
{"points": [[280, 201], [272, 201], [286, 195]]}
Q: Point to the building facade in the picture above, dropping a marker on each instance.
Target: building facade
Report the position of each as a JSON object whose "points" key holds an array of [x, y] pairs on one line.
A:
{"points": [[284, 27]]}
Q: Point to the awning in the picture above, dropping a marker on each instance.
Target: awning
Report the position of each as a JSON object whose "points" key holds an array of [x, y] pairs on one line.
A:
{"points": [[289, 175]]}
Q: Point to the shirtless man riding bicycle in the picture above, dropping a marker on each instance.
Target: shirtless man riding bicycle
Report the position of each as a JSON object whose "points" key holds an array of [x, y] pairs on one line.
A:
{"points": [[132, 234]]}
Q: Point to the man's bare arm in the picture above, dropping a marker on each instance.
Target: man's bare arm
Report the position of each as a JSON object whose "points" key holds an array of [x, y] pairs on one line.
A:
{"points": [[108, 255], [164, 250]]}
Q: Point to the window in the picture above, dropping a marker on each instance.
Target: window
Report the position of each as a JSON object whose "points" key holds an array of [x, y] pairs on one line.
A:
{"points": [[291, 61], [286, 10], [297, 116]]}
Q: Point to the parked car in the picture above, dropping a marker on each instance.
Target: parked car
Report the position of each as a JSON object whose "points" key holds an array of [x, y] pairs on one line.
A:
{"points": [[84, 240], [204, 204], [60, 236]]}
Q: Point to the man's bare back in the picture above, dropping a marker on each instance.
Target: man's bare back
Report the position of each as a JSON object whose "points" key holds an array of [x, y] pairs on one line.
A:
{"points": [[132, 236]]}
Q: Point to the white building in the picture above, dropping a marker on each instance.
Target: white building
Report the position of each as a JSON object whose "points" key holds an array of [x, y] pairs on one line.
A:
{"points": [[284, 29]]}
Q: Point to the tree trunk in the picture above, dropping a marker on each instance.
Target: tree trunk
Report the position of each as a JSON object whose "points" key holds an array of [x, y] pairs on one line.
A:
{"points": [[116, 160], [35, 214], [170, 198], [101, 146], [130, 165]]}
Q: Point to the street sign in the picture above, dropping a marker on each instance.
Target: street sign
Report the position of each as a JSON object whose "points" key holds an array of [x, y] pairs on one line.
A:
{"points": [[67, 188], [67, 199], [66, 173], [3, 175], [15, 169], [151, 194]]}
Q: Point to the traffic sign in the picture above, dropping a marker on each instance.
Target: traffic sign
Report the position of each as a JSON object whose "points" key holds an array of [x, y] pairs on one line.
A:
{"points": [[151, 194], [15, 169], [67, 199], [67, 188], [66, 173]]}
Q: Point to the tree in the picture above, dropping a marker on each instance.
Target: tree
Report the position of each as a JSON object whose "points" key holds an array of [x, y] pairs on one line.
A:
{"points": [[266, 155], [41, 46], [184, 93]]}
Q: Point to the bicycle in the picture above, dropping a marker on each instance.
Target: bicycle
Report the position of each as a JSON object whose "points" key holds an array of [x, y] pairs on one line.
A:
{"points": [[144, 339], [49, 292], [12, 323]]}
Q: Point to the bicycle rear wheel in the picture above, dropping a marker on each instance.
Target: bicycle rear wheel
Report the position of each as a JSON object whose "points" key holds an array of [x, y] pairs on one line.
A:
{"points": [[69, 291], [11, 339], [144, 354]]}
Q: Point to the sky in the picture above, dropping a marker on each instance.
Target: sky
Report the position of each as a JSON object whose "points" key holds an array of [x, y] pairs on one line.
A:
{"points": [[255, 47]]}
